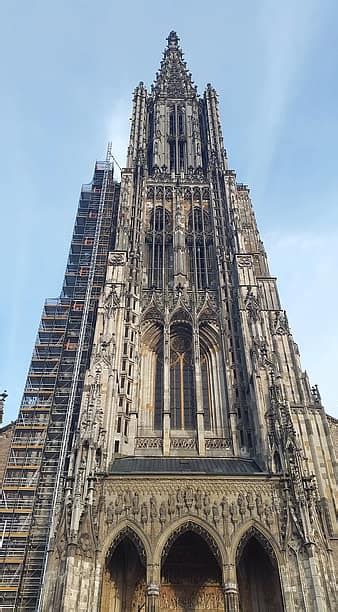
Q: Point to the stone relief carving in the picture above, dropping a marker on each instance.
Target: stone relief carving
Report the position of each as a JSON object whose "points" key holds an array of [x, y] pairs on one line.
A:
{"points": [[117, 258], [244, 261], [280, 324], [157, 504], [252, 305], [261, 355], [208, 598]]}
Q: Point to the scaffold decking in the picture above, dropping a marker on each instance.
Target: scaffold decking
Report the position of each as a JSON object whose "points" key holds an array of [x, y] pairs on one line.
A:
{"points": [[48, 414]]}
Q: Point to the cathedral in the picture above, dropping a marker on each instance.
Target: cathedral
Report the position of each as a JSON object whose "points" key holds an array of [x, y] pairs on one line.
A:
{"points": [[170, 453]]}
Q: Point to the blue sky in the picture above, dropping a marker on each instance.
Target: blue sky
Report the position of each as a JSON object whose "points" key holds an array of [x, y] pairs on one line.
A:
{"points": [[69, 69]]}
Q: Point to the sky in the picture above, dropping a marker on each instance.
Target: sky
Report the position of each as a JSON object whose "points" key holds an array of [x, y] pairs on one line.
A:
{"points": [[68, 72]]}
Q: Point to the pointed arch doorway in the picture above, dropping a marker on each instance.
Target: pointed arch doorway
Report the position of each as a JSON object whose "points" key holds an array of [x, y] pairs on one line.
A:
{"points": [[257, 575], [124, 578], [191, 577]]}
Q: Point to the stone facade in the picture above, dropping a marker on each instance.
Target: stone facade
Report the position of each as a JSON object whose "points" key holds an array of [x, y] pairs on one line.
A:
{"points": [[6, 434], [193, 361]]}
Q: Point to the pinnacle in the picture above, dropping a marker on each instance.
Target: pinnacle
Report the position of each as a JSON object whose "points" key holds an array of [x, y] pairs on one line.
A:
{"points": [[173, 78], [173, 40]]}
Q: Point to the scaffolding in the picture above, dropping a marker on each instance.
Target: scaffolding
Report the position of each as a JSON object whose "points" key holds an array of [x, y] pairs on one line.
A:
{"points": [[48, 415]]}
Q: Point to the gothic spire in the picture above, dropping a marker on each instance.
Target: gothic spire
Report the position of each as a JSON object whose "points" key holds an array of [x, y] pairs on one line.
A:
{"points": [[173, 79]]}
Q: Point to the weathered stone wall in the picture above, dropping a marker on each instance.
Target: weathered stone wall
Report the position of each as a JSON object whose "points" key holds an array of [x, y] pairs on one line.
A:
{"points": [[6, 434]]}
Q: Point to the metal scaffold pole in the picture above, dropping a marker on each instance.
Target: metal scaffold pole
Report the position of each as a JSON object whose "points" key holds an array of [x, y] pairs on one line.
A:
{"points": [[77, 365]]}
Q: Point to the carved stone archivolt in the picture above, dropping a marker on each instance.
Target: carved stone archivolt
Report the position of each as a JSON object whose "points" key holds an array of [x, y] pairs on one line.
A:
{"points": [[153, 505], [129, 533], [253, 532], [195, 528]]}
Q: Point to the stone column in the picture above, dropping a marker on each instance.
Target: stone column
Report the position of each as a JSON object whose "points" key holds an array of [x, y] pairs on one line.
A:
{"points": [[153, 592], [231, 600]]}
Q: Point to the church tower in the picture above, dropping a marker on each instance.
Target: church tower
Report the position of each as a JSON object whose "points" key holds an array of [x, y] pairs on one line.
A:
{"points": [[198, 472]]}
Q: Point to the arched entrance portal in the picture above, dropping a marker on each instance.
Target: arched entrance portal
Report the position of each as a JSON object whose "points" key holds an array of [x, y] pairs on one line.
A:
{"points": [[257, 576], [124, 579], [191, 578]]}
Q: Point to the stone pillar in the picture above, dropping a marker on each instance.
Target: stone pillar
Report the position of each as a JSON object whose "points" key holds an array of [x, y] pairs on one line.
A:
{"points": [[318, 597], [234, 430], [231, 600], [153, 592]]}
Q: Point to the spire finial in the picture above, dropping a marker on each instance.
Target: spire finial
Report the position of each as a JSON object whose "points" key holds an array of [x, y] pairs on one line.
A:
{"points": [[173, 40]]}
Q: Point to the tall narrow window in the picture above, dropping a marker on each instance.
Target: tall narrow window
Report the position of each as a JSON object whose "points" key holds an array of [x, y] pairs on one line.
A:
{"points": [[175, 394], [158, 265], [172, 156], [176, 139], [180, 123], [159, 240], [199, 257], [205, 393], [172, 124], [158, 219], [182, 388], [158, 392], [181, 151]]}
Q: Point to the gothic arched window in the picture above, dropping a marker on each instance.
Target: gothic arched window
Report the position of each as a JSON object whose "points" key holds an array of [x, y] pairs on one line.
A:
{"points": [[176, 139], [206, 393], [180, 117], [212, 379], [158, 391], [172, 123], [200, 249], [157, 220], [182, 386], [181, 155], [151, 374], [160, 248], [172, 156]]}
